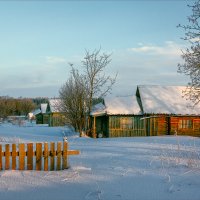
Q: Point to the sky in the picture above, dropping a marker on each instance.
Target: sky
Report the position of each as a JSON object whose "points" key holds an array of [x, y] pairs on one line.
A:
{"points": [[38, 40]]}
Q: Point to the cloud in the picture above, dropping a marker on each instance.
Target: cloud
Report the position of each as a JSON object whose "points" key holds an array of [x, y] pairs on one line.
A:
{"points": [[169, 48], [41, 91], [148, 58], [142, 64], [55, 60], [147, 64]]}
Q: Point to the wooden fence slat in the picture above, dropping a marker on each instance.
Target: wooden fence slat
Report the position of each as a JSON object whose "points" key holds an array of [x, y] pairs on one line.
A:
{"points": [[30, 156], [59, 155], [65, 157], [73, 152], [52, 154], [22, 154], [7, 156], [46, 154], [1, 167], [14, 155], [38, 156]]}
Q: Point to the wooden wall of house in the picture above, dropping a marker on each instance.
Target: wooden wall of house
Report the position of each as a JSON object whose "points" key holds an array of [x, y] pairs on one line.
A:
{"points": [[156, 125], [126, 126], [39, 118], [130, 126], [42, 118], [171, 125], [185, 125], [56, 119], [101, 126], [45, 118]]}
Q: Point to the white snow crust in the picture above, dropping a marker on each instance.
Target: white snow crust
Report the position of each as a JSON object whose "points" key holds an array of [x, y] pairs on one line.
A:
{"points": [[142, 168], [166, 100], [124, 105]]}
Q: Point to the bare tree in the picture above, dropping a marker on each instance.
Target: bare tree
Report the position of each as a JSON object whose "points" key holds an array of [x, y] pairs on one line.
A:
{"points": [[191, 56], [80, 89], [98, 83], [72, 95]]}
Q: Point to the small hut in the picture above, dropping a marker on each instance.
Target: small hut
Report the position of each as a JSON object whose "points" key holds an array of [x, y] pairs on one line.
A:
{"points": [[41, 114], [117, 117], [56, 117]]}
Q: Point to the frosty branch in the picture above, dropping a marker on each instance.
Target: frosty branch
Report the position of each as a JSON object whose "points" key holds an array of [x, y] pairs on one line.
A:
{"points": [[191, 56], [80, 90]]}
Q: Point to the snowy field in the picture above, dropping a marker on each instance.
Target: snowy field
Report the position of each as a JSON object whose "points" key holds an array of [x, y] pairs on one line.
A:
{"points": [[144, 168]]}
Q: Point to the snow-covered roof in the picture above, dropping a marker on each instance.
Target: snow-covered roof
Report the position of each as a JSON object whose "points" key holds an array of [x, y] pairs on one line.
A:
{"points": [[126, 105], [43, 107], [166, 100], [98, 109], [36, 112], [55, 105]]}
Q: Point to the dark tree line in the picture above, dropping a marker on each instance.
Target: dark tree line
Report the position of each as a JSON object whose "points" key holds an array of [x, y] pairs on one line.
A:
{"points": [[21, 106], [37, 101]]}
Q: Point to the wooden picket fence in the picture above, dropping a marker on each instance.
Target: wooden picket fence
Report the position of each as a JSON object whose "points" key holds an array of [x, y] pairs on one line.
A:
{"points": [[36, 156]]}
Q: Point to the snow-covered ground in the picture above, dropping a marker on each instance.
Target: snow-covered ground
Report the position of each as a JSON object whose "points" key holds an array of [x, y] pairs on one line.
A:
{"points": [[143, 168]]}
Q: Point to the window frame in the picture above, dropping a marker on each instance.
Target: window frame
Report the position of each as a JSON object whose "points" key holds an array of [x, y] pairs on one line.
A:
{"points": [[126, 123], [185, 124]]}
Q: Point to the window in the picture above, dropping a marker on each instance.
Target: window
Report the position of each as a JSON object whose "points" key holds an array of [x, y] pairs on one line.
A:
{"points": [[126, 123], [185, 123]]}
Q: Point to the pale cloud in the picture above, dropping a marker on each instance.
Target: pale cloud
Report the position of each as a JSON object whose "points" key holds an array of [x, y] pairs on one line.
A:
{"points": [[169, 48], [143, 64], [147, 64], [55, 60]]}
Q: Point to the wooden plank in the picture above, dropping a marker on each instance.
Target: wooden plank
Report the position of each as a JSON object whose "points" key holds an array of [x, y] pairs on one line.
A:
{"points": [[30, 156], [46, 154], [52, 153], [65, 157], [59, 154], [73, 152], [22, 154], [38, 156], [94, 128], [14, 155], [7, 156], [1, 167]]}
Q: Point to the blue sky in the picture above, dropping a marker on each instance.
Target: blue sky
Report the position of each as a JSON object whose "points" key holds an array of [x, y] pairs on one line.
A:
{"points": [[39, 38]]}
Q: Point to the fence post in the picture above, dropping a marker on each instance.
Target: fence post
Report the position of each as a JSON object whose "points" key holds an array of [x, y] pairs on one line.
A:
{"points": [[65, 156], [7, 156], [22, 154], [38, 156], [0, 157], [46, 154], [14, 155], [30, 156], [52, 152], [59, 154]]}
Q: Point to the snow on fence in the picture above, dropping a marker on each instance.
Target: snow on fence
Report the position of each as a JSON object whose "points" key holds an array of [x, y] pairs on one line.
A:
{"points": [[36, 156]]}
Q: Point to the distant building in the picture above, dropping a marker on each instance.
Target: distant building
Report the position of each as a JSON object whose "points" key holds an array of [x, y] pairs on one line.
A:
{"points": [[41, 115], [56, 117]]}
